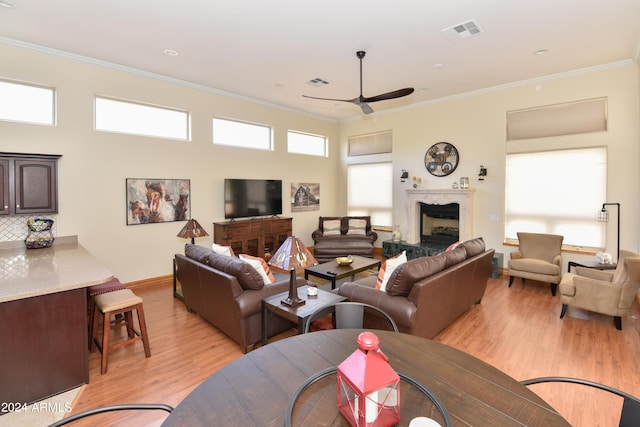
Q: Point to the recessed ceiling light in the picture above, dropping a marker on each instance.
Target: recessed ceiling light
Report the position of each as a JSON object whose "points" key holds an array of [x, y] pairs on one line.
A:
{"points": [[169, 52], [5, 3], [437, 66], [541, 52]]}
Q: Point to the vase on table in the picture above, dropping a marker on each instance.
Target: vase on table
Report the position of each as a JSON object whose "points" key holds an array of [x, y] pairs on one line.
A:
{"points": [[396, 236]]}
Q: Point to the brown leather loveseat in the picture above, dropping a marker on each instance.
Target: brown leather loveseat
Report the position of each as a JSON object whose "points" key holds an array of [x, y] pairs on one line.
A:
{"points": [[424, 295], [342, 236], [228, 293]]}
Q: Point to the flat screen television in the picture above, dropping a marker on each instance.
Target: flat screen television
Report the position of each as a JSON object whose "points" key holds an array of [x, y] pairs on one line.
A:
{"points": [[245, 198]]}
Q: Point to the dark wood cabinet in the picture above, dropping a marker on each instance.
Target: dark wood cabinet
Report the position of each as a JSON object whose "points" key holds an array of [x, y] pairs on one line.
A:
{"points": [[28, 183], [256, 237]]}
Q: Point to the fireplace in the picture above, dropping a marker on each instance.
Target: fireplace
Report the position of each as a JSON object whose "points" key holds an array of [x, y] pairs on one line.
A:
{"points": [[439, 202], [439, 224]]}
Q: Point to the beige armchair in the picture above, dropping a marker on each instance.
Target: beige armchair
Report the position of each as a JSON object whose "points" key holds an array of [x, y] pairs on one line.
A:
{"points": [[537, 258], [605, 292]]}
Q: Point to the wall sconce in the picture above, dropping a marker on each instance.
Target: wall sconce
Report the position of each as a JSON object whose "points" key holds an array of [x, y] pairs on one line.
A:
{"points": [[482, 173], [404, 175]]}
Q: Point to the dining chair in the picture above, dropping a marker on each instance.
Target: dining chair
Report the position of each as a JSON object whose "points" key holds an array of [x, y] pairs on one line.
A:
{"points": [[630, 413], [351, 315], [111, 408]]}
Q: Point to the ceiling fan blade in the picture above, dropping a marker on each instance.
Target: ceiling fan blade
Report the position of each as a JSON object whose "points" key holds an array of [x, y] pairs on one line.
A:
{"points": [[364, 106], [390, 95], [331, 99]]}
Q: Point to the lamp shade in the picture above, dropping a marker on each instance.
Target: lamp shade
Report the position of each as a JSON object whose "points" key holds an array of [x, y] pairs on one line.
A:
{"points": [[191, 230], [291, 255]]}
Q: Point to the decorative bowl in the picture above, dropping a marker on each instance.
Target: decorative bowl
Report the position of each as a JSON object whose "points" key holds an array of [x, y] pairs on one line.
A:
{"points": [[344, 260]]}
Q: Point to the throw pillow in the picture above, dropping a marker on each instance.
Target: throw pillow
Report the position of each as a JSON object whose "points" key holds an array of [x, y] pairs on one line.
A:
{"points": [[386, 269], [453, 245], [260, 266], [357, 227], [222, 250], [331, 227]]}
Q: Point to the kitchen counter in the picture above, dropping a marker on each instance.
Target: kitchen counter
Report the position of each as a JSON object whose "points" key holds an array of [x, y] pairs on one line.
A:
{"points": [[43, 318], [64, 266]]}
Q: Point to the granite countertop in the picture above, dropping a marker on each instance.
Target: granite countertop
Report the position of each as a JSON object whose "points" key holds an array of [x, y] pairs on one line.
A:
{"points": [[66, 265]]}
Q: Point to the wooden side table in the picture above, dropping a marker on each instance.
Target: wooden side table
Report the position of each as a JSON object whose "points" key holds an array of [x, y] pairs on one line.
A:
{"points": [[591, 264], [299, 314]]}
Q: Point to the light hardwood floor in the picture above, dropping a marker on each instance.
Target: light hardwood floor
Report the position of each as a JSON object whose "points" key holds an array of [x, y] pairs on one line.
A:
{"points": [[516, 329]]}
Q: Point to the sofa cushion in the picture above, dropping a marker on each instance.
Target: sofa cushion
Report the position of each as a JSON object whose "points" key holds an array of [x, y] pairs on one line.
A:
{"points": [[474, 246], [222, 250], [413, 271], [198, 253], [331, 227], [387, 268], [246, 275], [454, 256], [260, 265], [357, 227]]}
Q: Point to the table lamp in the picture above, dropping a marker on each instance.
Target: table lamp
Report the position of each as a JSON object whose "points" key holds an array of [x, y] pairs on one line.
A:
{"points": [[603, 216], [191, 230], [292, 254]]}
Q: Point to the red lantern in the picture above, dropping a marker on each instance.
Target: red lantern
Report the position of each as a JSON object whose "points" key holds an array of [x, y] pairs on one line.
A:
{"points": [[368, 388]]}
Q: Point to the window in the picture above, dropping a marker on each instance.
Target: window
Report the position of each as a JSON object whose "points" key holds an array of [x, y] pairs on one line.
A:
{"points": [[371, 143], [26, 103], [242, 134], [139, 119], [557, 192], [369, 189], [304, 143]]}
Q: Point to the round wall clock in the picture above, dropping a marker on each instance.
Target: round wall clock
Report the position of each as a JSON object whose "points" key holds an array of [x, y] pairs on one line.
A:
{"points": [[441, 159]]}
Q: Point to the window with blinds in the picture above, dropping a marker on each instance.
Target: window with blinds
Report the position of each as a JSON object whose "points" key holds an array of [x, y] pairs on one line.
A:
{"points": [[370, 192], [557, 192]]}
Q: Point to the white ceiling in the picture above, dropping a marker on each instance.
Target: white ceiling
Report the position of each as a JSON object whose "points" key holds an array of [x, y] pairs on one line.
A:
{"points": [[268, 50]]}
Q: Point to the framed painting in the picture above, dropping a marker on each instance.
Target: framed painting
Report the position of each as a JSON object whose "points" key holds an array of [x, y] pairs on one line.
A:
{"points": [[158, 200], [305, 196]]}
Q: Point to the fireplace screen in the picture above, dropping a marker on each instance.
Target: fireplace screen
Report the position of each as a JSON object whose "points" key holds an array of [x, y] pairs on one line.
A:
{"points": [[439, 224]]}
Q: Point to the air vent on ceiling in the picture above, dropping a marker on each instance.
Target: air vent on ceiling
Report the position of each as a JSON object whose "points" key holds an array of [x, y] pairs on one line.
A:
{"points": [[462, 31], [317, 82]]}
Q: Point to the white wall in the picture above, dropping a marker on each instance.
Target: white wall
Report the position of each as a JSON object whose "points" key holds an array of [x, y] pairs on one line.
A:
{"points": [[94, 165], [475, 124]]}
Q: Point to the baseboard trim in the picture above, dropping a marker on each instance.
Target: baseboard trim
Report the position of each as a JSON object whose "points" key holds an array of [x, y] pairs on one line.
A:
{"points": [[153, 281]]}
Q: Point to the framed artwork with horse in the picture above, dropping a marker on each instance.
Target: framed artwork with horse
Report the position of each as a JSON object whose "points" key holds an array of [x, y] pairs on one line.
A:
{"points": [[152, 201]]}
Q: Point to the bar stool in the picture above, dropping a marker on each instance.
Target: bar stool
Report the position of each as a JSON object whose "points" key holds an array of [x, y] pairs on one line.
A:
{"points": [[123, 301], [110, 286]]}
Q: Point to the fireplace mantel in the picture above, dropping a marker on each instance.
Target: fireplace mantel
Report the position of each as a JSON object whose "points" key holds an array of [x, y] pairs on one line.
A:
{"points": [[464, 198]]}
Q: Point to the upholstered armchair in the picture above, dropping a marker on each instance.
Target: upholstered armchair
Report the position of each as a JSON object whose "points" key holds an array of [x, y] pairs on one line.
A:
{"points": [[538, 258], [604, 292]]}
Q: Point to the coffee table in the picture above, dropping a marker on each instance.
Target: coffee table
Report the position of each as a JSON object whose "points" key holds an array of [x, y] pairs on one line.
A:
{"points": [[299, 314], [332, 271]]}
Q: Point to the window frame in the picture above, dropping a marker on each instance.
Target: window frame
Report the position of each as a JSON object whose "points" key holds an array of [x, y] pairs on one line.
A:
{"points": [[575, 216], [268, 145], [150, 107], [51, 103], [324, 148], [372, 210]]}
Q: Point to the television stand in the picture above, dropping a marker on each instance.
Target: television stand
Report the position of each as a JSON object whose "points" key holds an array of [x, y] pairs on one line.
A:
{"points": [[255, 237]]}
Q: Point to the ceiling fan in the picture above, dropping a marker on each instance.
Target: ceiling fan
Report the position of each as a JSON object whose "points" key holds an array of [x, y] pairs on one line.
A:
{"points": [[362, 101]]}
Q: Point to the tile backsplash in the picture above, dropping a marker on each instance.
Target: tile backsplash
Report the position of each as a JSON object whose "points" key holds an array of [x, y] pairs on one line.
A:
{"points": [[15, 227]]}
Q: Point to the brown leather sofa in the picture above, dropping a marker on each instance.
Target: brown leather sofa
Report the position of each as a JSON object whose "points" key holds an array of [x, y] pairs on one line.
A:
{"points": [[330, 246], [228, 293], [424, 295]]}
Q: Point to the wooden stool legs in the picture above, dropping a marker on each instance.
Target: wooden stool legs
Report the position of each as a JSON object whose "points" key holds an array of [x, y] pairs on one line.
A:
{"points": [[118, 302]]}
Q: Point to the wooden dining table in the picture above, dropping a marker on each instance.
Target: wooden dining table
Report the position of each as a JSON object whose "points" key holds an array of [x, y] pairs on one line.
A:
{"points": [[256, 389]]}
